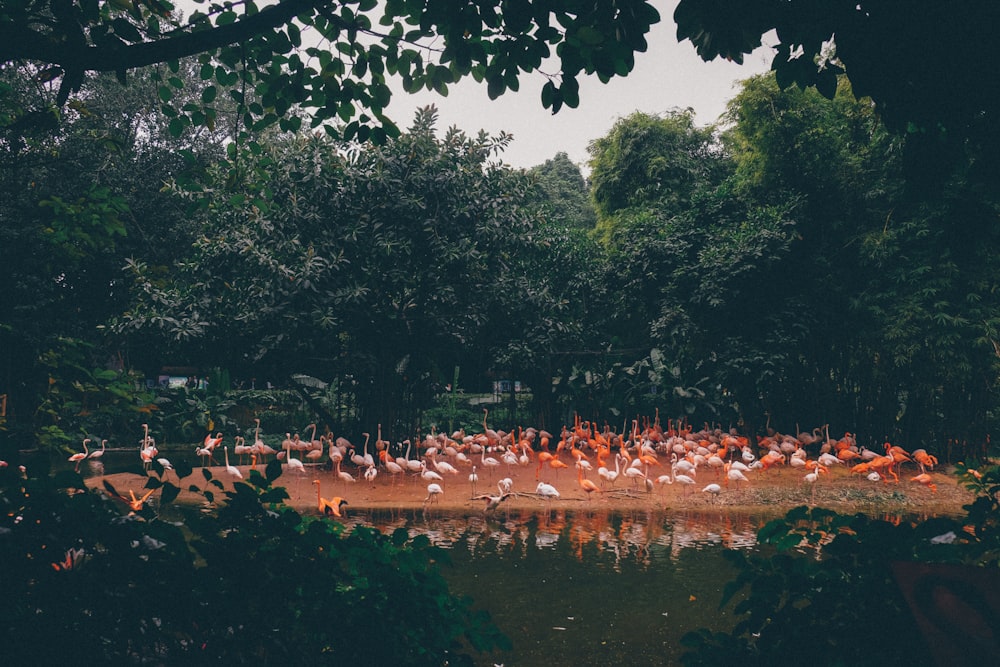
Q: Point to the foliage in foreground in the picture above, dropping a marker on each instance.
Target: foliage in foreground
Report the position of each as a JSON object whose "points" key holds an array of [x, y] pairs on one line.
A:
{"points": [[823, 586], [249, 582]]}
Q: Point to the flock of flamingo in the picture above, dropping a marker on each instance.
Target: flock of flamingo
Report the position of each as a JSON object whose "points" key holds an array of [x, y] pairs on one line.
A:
{"points": [[605, 462]]}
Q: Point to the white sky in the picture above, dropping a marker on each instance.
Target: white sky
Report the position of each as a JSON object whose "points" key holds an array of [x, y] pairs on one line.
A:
{"points": [[668, 75]]}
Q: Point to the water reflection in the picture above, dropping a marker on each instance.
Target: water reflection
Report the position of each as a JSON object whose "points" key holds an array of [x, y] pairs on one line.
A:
{"points": [[637, 536], [586, 587]]}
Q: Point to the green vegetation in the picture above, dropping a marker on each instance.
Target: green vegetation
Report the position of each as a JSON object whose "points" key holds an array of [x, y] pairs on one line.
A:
{"points": [[247, 580], [826, 256], [780, 267], [826, 585]]}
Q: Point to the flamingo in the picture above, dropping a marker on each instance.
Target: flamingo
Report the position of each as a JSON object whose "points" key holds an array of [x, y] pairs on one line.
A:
{"points": [[433, 491], [489, 463], [240, 448], [369, 460], [204, 453], [492, 502], [294, 465], [473, 478], [312, 442], [812, 478], [611, 476], [924, 460], [685, 481], [429, 475], [390, 465], [547, 492], [557, 465], [344, 475], [413, 465], [634, 474], [314, 455], [358, 459], [510, 459], [147, 448], [714, 489], [734, 475], [328, 506], [925, 479], [232, 470], [80, 456], [443, 467], [371, 472], [98, 453], [585, 484], [210, 443]]}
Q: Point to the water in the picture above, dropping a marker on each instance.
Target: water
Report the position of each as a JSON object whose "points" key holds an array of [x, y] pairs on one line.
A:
{"points": [[587, 587]]}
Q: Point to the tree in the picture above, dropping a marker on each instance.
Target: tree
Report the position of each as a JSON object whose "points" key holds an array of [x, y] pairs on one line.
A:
{"points": [[927, 65], [77, 200], [385, 265], [563, 192], [330, 56], [896, 305], [651, 160]]}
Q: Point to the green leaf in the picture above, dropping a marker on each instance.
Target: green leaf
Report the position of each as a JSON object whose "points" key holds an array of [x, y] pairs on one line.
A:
{"points": [[169, 493]]}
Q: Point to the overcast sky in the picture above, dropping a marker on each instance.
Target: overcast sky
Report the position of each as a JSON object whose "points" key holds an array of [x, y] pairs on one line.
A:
{"points": [[668, 75]]}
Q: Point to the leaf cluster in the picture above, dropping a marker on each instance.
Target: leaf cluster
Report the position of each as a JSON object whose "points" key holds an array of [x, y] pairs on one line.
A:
{"points": [[329, 60], [247, 580], [819, 578]]}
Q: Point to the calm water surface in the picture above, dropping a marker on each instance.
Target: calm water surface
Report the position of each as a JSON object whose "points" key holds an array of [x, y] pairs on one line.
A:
{"points": [[587, 587]]}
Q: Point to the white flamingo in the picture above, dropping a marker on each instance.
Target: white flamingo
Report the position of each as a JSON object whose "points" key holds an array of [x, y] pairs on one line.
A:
{"points": [[370, 474], [433, 491], [429, 475], [344, 475], [294, 465], [546, 491], [473, 479], [232, 470]]}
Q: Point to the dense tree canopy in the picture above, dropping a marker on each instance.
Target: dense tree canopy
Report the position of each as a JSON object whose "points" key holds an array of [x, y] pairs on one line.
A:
{"points": [[387, 265], [782, 266], [75, 201], [563, 192]]}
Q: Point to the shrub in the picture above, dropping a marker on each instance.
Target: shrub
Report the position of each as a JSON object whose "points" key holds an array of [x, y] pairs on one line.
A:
{"points": [[89, 578], [822, 588]]}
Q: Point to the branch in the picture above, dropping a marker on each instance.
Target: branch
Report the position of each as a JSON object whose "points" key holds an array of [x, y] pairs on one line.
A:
{"points": [[27, 44]]}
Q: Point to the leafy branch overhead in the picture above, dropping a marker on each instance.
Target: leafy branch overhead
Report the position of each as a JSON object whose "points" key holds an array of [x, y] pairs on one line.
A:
{"points": [[329, 57], [927, 65]]}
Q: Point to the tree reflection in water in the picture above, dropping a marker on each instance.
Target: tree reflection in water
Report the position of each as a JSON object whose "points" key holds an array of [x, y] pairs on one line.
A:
{"points": [[594, 587]]}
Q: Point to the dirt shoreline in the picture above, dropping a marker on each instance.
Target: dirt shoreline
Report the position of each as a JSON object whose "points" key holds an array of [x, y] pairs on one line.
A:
{"points": [[772, 492]]}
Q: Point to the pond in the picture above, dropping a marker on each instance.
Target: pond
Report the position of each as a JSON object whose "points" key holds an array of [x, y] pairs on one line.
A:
{"points": [[578, 587], [590, 588]]}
